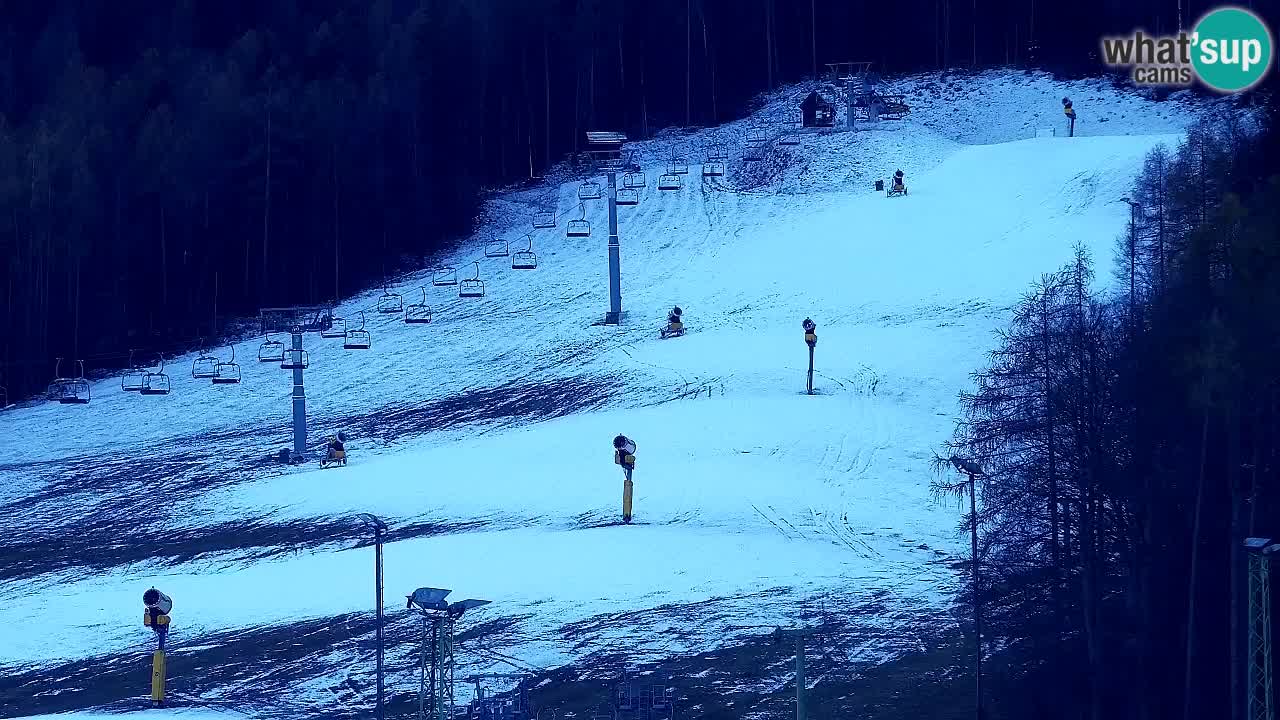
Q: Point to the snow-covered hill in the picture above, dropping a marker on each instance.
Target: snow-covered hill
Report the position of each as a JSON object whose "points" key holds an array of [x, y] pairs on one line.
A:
{"points": [[484, 436]]}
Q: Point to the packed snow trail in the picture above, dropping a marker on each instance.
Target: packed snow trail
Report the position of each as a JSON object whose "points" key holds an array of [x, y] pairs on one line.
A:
{"points": [[752, 498]]}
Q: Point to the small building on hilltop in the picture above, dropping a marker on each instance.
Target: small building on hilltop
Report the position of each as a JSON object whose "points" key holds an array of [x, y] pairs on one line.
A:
{"points": [[817, 111]]}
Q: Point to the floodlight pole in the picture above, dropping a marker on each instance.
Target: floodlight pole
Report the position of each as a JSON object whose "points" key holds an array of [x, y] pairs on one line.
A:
{"points": [[799, 635], [299, 401], [972, 471], [615, 255], [379, 528], [1261, 692]]}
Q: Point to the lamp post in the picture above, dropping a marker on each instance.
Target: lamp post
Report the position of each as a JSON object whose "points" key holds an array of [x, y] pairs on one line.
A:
{"points": [[1261, 693], [973, 471], [799, 635], [379, 531]]}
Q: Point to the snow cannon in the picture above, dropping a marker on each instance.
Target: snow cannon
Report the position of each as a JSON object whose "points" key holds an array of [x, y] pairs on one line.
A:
{"points": [[158, 605], [154, 599]]}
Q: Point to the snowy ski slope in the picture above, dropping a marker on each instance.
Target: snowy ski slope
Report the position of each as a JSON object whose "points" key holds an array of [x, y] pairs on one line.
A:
{"points": [[752, 499]]}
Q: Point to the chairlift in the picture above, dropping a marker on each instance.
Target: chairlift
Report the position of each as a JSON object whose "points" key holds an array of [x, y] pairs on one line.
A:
{"points": [[589, 190], [357, 339], [227, 373], [580, 227], [271, 350], [717, 153], [678, 166], [633, 180], [544, 219], [296, 360], [472, 287], [204, 366], [628, 196], [497, 248], [712, 169], [155, 383], [131, 380], [670, 181], [74, 391], [420, 313], [390, 302], [337, 328], [444, 275], [525, 259], [757, 137]]}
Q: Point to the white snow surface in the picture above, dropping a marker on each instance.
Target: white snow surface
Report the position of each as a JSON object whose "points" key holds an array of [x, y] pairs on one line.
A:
{"points": [[750, 495]]}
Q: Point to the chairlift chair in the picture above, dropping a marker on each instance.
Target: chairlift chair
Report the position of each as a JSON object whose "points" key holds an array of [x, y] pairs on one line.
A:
{"points": [[525, 259], [271, 350], [753, 153], [634, 180], [227, 373], [75, 391], [789, 138], [717, 153], [444, 276], [678, 166], [544, 219], [337, 328], [420, 313], [296, 360], [390, 302], [359, 338], [589, 190], [756, 137], [472, 287], [628, 196], [712, 169], [669, 181], [580, 227], [131, 380], [204, 366], [495, 248], [155, 383], [57, 387]]}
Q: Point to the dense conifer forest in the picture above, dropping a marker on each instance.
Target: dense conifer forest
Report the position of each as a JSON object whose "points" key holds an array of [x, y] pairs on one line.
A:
{"points": [[167, 166]]}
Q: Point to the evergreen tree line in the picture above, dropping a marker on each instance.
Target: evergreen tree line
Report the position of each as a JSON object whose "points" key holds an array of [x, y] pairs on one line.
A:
{"points": [[1130, 443], [167, 165]]}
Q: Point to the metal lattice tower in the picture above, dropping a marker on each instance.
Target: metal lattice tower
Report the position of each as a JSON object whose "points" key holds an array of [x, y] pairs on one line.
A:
{"points": [[1261, 690], [435, 689]]}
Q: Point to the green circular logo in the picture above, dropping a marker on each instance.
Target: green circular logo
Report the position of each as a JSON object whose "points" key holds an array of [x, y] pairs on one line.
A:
{"points": [[1231, 49]]}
